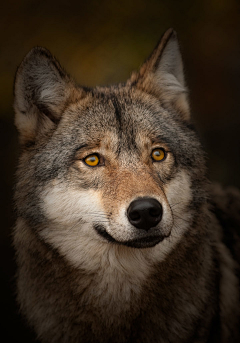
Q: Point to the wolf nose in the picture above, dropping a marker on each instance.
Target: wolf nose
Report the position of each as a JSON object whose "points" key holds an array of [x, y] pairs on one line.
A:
{"points": [[144, 213]]}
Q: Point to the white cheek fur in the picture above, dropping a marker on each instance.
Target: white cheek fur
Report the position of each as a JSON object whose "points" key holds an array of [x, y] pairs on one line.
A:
{"points": [[65, 205]]}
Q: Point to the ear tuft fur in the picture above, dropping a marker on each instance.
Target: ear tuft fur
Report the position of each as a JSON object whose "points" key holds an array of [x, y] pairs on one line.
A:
{"points": [[162, 75], [42, 90]]}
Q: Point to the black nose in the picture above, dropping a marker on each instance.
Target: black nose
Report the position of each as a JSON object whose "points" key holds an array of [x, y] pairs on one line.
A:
{"points": [[144, 213]]}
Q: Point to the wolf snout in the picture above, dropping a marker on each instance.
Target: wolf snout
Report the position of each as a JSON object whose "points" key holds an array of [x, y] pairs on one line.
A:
{"points": [[144, 213]]}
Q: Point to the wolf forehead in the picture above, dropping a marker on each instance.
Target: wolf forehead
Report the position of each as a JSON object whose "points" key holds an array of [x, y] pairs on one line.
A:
{"points": [[121, 111], [126, 113]]}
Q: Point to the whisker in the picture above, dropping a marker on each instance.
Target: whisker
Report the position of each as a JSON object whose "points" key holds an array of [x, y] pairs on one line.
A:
{"points": [[173, 205], [185, 220]]}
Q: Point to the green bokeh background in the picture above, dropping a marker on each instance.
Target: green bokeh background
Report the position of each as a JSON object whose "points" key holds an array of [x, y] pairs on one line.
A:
{"points": [[101, 42]]}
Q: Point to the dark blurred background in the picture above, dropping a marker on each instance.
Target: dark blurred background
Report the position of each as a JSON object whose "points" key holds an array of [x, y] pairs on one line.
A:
{"points": [[101, 42]]}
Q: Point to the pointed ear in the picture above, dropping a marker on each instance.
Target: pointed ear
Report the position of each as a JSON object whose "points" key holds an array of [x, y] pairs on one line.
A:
{"points": [[41, 92], [162, 75]]}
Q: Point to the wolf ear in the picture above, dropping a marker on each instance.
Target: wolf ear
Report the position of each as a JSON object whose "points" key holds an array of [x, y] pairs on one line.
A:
{"points": [[42, 90], [162, 75]]}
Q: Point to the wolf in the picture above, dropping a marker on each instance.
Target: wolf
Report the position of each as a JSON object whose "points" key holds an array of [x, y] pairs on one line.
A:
{"points": [[119, 235]]}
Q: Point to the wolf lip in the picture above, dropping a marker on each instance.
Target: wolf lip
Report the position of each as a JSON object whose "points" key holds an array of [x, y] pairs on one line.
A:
{"points": [[143, 242], [146, 242]]}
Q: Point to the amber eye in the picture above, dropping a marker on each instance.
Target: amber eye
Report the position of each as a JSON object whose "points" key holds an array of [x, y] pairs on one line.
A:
{"points": [[158, 154], [92, 160]]}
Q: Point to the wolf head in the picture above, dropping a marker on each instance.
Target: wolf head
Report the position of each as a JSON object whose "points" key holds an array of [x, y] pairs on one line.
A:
{"points": [[107, 166]]}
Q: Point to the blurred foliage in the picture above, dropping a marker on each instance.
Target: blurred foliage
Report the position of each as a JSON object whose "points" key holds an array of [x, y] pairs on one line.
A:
{"points": [[101, 42]]}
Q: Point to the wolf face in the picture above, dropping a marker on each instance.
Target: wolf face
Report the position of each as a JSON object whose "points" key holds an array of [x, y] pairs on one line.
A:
{"points": [[110, 165], [116, 238]]}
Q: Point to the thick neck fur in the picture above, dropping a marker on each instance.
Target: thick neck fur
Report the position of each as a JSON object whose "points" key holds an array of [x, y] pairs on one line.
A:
{"points": [[122, 283]]}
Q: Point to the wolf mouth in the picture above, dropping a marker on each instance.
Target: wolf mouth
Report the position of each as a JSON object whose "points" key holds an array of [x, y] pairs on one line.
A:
{"points": [[143, 242]]}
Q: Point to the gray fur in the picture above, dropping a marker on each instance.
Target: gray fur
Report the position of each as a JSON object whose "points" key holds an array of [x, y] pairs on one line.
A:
{"points": [[78, 278]]}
